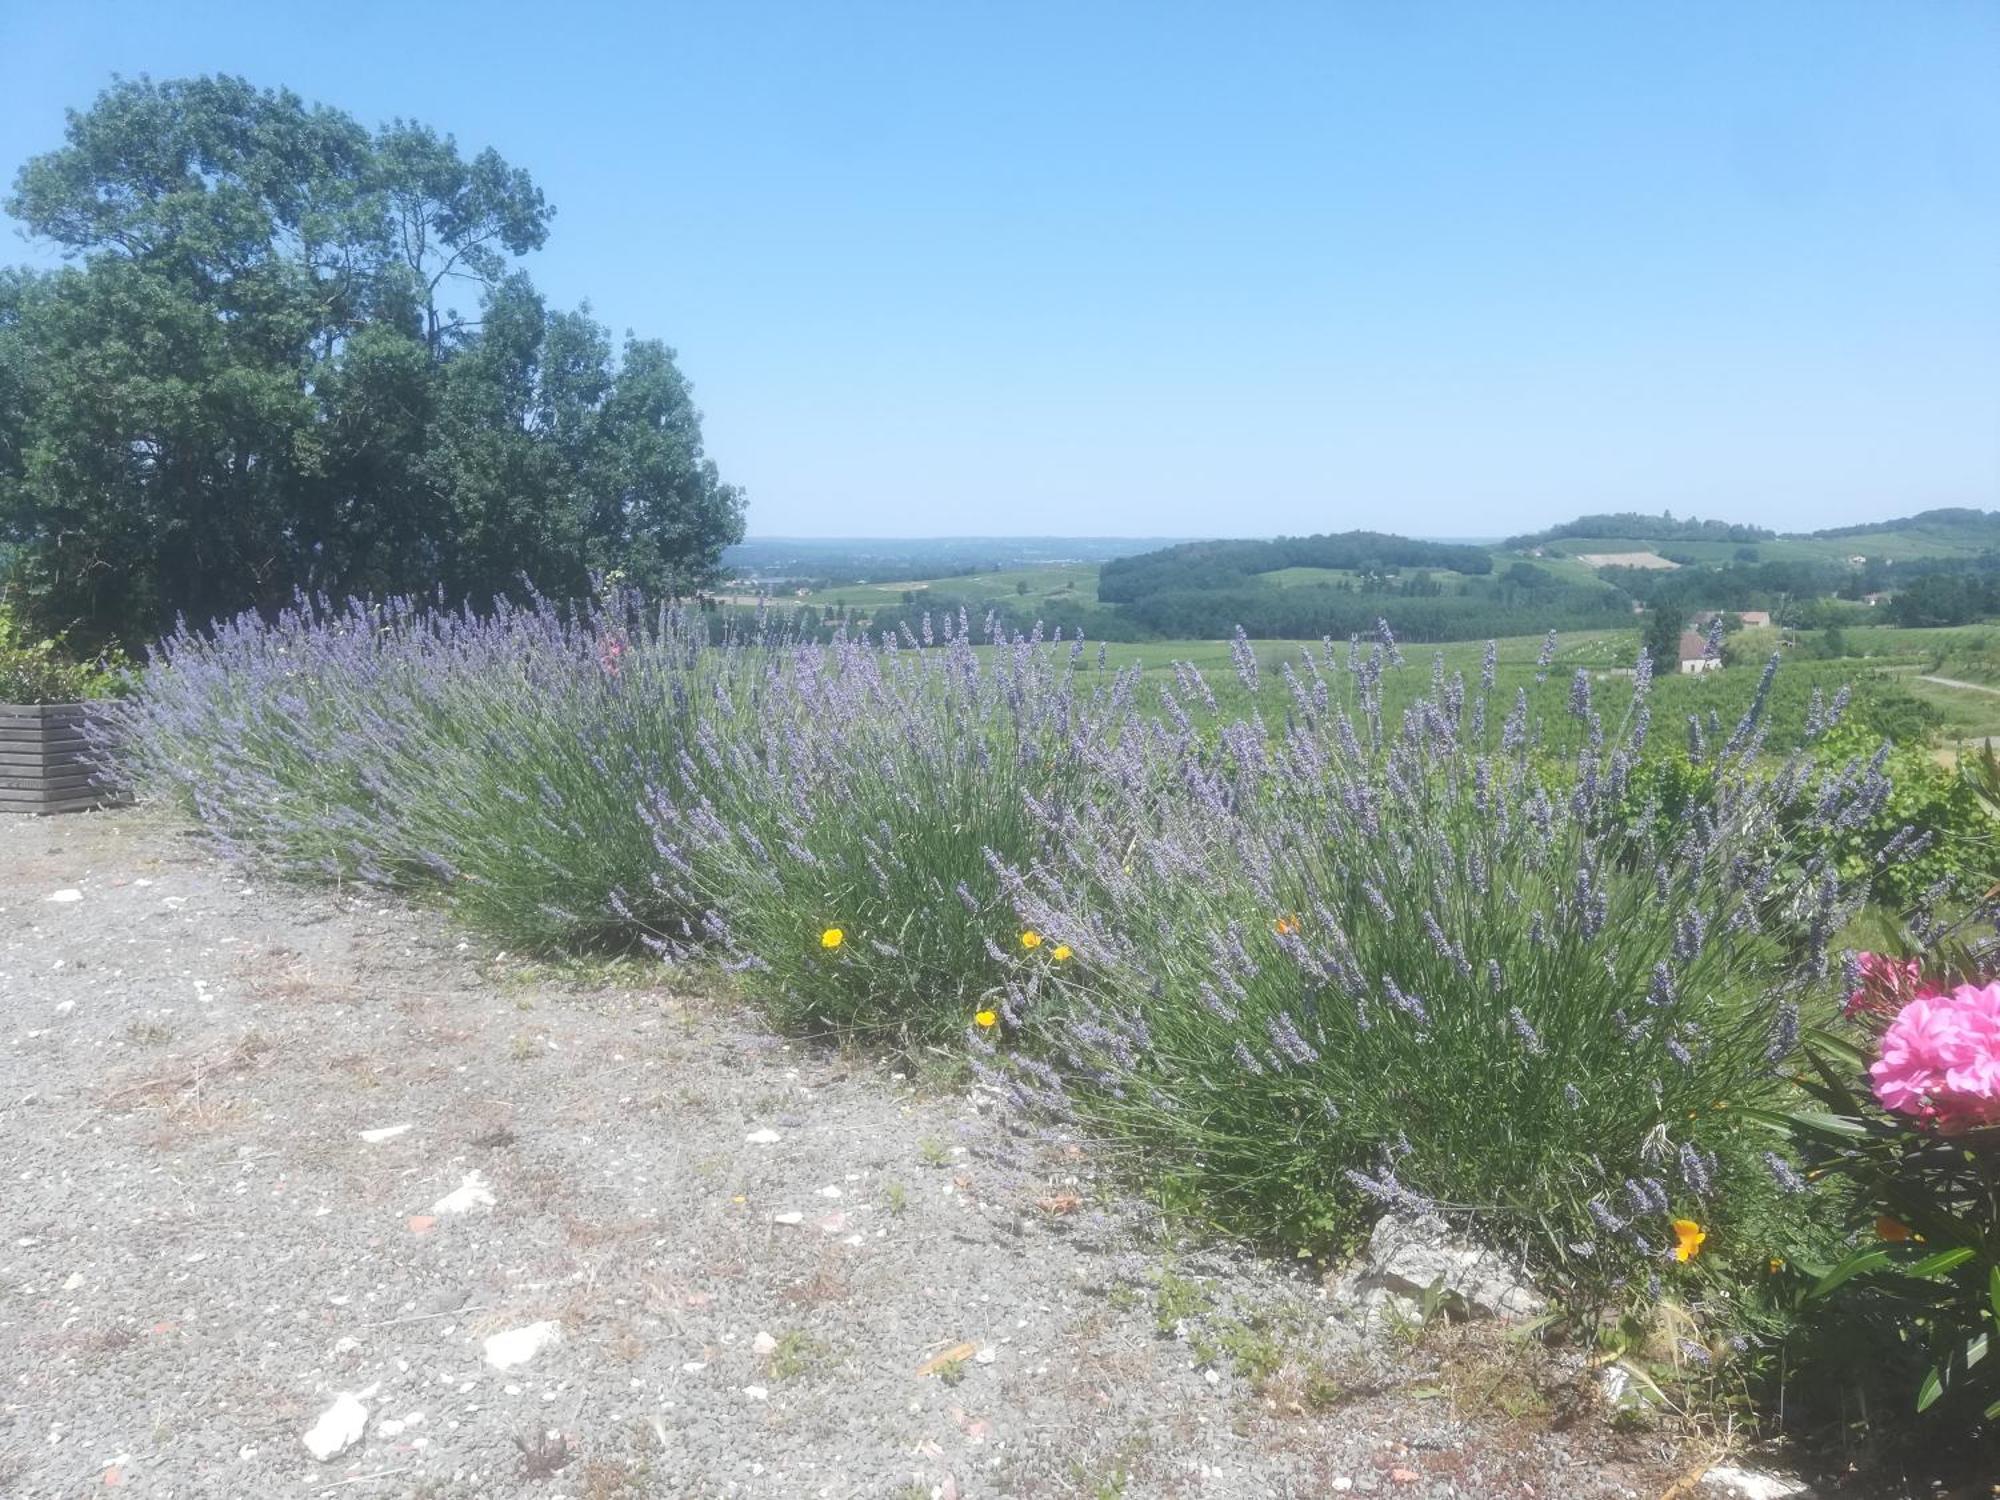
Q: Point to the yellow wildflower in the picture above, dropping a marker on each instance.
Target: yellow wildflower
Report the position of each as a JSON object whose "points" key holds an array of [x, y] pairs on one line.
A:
{"points": [[1689, 1236], [832, 938], [1031, 940], [1777, 1264], [987, 1018], [1286, 926], [1060, 953]]}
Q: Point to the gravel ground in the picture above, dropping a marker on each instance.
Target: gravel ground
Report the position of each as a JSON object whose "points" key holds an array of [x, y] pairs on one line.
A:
{"points": [[751, 1267]]}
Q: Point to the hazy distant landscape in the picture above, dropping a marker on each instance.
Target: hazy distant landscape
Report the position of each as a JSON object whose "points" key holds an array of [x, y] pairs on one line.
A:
{"points": [[1936, 568]]}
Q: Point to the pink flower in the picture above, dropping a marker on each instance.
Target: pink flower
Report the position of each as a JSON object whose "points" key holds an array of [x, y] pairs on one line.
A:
{"points": [[1941, 1059], [1885, 984]]}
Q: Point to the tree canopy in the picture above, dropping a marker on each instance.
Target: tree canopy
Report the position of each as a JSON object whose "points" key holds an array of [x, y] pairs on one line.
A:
{"points": [[291, 352]]}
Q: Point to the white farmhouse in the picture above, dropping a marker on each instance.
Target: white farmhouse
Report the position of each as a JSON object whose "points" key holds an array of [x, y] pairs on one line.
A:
{"points": [[1694, 655]]}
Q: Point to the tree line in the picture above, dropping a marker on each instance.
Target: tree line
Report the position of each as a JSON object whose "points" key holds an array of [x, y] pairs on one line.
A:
{"points": [[1221, 564], [288, 351]]}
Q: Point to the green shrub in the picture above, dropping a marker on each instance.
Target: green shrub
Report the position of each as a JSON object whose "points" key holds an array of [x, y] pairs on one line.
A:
{"points": [[1322, 976], [842, 845], [41, 671]]}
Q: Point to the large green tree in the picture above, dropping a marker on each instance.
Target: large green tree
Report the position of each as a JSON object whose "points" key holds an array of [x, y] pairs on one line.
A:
{"points": [[291, 352]]}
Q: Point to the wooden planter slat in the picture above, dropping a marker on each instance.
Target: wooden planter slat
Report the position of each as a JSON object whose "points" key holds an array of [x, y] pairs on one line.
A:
{"points": [[28, 755], [46, 763]]}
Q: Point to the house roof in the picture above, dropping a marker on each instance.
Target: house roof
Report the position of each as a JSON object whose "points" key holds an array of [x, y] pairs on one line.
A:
{"points": [[1694, 646]]}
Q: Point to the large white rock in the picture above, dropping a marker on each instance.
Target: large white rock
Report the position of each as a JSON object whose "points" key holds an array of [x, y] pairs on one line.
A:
{"points": [[339, 1428], [1754, 1484], [519, 1345], [472, 1193], [1409, 1257]]}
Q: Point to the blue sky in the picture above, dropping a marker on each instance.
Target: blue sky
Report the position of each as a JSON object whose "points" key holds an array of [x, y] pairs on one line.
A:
{"points": [[1237, 269]]}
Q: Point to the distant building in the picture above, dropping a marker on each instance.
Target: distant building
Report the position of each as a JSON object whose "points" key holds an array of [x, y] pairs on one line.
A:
{"points": [[1694, 654], [1871, 600], [1755, 618], [1748, 617], [1857, 561]]}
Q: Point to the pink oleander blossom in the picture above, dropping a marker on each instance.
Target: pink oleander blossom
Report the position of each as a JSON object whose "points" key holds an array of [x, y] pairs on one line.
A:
{"points": [[1940, 1059], [1885, 984]]}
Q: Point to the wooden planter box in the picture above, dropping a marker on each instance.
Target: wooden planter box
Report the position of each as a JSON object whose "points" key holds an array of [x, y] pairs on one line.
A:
{"points": [[44, 764]]}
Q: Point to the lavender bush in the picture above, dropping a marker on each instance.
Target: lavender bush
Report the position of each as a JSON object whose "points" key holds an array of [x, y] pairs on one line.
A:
{"points": [[1391, 936], [501, 759], [1366, 961], [841, 845]]}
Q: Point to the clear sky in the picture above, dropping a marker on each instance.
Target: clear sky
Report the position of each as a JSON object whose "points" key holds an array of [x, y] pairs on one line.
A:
{"points": [[1223, 269]]}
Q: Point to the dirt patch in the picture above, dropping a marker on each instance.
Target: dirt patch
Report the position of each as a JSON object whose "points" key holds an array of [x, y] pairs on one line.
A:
{"points": [[1624, 560]]}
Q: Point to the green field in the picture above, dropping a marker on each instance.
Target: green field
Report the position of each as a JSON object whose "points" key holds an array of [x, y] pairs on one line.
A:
{"points": [[1883, 683], [1901, 544]]}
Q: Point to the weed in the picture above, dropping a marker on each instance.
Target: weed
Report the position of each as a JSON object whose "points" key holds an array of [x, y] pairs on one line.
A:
{"points": [[543, 1454], [1177, 1301], [797, 1353]]}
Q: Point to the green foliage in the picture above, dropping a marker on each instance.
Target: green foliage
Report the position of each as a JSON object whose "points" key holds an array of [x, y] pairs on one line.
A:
{"points": [[1944, 806], [1203, 565], [1662, 639], [41, 670], [1631, 526], [848, 864], [254, 378], [1924, 1229]]}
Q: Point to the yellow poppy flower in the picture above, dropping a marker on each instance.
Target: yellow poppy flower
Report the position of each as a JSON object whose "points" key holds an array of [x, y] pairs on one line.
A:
{"points": [[1689, 1236], [987, 1018], [1060, 953], [1287, 926], [832, 938], [1031, 941], [1777, 1264]]}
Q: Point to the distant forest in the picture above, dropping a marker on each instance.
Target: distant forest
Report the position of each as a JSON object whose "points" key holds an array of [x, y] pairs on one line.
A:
{"points": [[1437, 591]]}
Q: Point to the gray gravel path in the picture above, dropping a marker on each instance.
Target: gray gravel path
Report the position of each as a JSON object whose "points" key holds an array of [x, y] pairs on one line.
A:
{"points": [[202, 1253]]}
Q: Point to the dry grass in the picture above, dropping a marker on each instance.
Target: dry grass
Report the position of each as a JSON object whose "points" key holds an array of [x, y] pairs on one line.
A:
{"points": [[190, 1075], [825, 1285], [186, 1092], [605, 1480]]}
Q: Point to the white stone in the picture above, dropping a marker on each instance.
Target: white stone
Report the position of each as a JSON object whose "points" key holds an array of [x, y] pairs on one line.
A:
{"points": [[472, 1193], [756, 1393], [384, 1133], [829, 1192], [519, 1345], [1753, 1484], [65, 896], [792, 1217], [1408, 1259], [339, 1428], [763, 1343], [765, 1137], [75, 1280]]}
